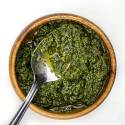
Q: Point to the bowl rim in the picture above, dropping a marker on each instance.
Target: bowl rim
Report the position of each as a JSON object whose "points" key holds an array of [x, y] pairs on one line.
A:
{"points": [[43, 20]]}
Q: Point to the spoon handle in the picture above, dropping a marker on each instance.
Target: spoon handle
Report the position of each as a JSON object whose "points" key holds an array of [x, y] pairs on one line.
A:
{"points": [[19, 115]]}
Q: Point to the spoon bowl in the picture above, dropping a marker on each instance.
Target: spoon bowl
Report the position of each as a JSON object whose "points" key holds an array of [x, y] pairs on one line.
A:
{"points": [[42, 70]]}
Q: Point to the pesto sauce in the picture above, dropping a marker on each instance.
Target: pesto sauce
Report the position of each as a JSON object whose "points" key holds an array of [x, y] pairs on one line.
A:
{"points": [[77, 53]]}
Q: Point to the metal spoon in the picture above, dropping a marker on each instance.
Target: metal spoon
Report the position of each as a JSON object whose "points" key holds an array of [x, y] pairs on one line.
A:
{"points": [[43, 74]]}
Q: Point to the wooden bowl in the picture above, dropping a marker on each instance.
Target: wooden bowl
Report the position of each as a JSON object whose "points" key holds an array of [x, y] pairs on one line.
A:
{"points": [[44, 20]]}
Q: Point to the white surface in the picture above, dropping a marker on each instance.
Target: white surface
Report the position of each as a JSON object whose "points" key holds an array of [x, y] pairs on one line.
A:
{"points": [[108, 14]]}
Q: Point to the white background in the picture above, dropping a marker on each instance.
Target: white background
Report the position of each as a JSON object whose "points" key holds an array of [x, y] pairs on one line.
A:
{"points": [[108, 14]]}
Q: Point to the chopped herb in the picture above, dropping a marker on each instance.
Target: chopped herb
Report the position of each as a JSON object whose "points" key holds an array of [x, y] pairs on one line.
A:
{"points": [[78, 54]]}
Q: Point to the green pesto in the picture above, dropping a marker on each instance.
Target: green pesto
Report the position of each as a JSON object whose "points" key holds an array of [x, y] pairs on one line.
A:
{"points": [[76, 53]]}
